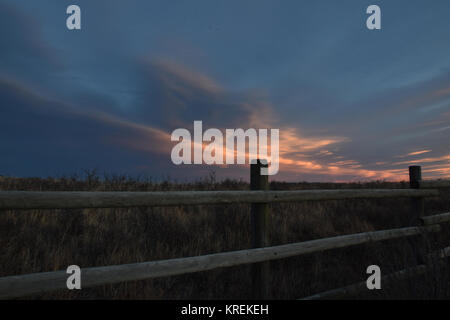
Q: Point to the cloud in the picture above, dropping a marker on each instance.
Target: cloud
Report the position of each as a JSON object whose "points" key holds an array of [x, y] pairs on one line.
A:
{"points": [[186, 95], [189, 95], [25, 50], [414, 153], [322, 137], [445, 158], [44, 134], [175, 96]]}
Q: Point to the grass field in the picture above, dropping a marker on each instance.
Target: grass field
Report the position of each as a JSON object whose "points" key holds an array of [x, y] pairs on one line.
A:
{"points": [[50, 240]]}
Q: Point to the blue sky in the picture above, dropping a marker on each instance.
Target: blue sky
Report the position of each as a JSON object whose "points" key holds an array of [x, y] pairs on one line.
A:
{"points": [[350, 103]]}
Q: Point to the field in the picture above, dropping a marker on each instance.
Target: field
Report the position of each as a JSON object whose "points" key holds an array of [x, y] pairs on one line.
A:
{"points": [[50, 240]]}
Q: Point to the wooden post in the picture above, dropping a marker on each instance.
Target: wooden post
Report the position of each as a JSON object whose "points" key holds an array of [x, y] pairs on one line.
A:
{"points": [[418, 209], [260, 229], [431, 241], [415, 181]]}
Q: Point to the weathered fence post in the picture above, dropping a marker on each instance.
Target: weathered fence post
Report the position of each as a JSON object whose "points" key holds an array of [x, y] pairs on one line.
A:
{"points": [[260, 229], [415, 181], [418, 208], [431, 242]]}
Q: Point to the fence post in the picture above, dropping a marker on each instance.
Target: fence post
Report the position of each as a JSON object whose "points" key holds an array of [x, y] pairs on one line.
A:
{"points": [[415, 181], [431, 242], [418, 209], [260, 230]]}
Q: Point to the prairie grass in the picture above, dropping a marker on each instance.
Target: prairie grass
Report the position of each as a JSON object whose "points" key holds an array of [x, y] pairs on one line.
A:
{"points": [[50, 240]]}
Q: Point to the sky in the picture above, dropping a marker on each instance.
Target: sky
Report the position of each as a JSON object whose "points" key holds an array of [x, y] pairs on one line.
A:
{"points": [[351, 104]]}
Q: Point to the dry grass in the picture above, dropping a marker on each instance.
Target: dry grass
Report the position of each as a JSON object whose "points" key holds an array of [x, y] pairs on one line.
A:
{"points": [[47, 240]]}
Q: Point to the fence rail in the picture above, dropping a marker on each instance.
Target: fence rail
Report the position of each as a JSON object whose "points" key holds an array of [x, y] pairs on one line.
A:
{"points": [[395, 276], [21, 285], [79, 200], [439, 218], [435, 184], [16, 286]]}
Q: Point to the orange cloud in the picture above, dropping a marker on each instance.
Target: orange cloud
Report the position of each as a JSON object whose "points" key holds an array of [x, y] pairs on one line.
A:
{"points": [[298, 153], [418, 152], [424, 160]]}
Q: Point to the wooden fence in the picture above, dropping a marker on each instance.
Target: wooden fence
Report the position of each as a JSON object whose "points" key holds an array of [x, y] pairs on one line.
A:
{"points": [[259, 256]]}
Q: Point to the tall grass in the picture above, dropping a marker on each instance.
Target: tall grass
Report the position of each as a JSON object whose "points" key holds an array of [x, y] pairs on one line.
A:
{"points": [[50, 240]]}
